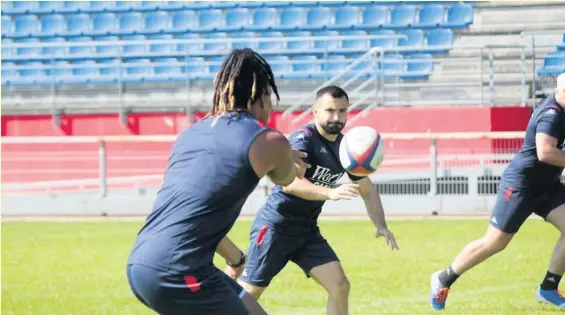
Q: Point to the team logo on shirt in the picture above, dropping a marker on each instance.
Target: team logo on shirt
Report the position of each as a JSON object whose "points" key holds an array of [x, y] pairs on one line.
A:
{"points": [[324, 177]]}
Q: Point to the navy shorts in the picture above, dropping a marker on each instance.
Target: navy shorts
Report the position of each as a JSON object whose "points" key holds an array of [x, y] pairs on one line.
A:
{"points": [[170, 294], [513, 207], [269, 251]]}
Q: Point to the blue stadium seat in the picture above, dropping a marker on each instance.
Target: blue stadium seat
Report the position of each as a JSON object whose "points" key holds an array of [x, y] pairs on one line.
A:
{"points": [[263, 19], [346, 18], [374, 17], [50, 6], [81, 50], [431, 16], [305, 66], [110, 69], [7, 52], [280, 65], [459, 15], [162, 48], [217, 48], [562, 45], [298, 45], [415, 38], [53, 25], [104, 23], [354, 45], [335, 64], [318, 18], [7, 25], [394, 64], [402, 16], [189, 48], [108, 50], [7, 6], [183, 21], [33, 70], [419, 66], [157, 22], [217, 64], [130, 23], [223, 4], [9, 74], [167, 67], [440, 40], [78, 24], [134, 49], [27, 25], [58, 69], [172, 5], [252, 45], [28, 51], [210, 20], [387, 42], [100, 6], [237, 20], [327, 44], [554, 64], [138, 69], [77, 6], [85, 69], [55, 51], [124, 6], [24, 6], [274, 45], [291, 19], [306, 3], [196, 69], [152, 5]]}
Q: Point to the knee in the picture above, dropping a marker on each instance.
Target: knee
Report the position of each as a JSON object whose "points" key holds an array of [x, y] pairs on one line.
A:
{"points": [[340, 287], [495, 245]]}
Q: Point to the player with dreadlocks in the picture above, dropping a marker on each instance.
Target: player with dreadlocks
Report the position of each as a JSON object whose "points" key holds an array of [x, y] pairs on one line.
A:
{"points": [[213, 167]]}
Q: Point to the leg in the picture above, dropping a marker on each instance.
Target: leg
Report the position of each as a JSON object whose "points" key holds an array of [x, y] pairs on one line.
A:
{"points": [[267, 255], [318, 260], [509, 213], [249, 301]]}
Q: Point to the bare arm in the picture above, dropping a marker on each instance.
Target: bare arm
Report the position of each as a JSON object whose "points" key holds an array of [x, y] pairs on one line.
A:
{"points": [[547, 150], [270, 155], [303, 188], [373, 202], [227, 249]]}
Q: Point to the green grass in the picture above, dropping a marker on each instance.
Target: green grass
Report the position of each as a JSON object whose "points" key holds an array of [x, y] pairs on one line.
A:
{"points": [[79, 268]]}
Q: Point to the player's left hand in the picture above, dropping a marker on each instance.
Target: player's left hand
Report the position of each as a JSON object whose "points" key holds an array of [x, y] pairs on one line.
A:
{"points": [[234, 272], [390, 240], [299, 157]]}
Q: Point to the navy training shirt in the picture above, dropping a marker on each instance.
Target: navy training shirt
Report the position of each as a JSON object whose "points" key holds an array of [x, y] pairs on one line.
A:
{"points": [[207, 181], [526, 170], [294, 215]]}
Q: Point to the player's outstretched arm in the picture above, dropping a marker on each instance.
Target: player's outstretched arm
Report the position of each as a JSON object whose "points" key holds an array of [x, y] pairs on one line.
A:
{"points": [[270, 154], [303, 188], [375, 210], [547, 150]]}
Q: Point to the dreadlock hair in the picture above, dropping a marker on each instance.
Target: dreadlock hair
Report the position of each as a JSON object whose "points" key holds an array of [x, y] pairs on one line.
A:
{"points": [[243, 78]]}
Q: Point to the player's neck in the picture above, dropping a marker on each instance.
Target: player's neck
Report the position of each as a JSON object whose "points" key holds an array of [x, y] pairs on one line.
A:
{"points": [[323, 133]]}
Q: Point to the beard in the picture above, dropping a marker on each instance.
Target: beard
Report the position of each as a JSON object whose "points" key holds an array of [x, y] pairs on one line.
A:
{"points": [[333, 128]]}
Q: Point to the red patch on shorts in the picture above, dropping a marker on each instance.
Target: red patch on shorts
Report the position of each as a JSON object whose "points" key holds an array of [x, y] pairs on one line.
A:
{"points": [[508, 193], [261, 236], [192, 283]]}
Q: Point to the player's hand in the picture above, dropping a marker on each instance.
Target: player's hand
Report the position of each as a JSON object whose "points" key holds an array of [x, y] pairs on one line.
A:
{"points": [[390, 240], [298, 157], [344, 192], [234, 272]]}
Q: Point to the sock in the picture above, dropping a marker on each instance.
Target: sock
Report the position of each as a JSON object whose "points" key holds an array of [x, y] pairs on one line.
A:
{"points": [[448, 277], [551, 281]]}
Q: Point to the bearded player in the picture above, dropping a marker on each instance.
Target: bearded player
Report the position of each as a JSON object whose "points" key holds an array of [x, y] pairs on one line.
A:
{"points": [[286, 228], [530, 184]]}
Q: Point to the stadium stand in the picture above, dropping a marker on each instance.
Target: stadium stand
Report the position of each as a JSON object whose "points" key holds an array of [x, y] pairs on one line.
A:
{"points": [[427, 26]]}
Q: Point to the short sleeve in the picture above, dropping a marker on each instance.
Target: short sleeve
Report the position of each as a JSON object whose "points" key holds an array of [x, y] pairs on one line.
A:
{"points": [[300, 140], [549, 123]]}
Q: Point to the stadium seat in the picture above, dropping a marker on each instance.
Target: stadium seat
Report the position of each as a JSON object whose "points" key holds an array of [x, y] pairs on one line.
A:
{"points": [[32, 71], [419, 66], [263, 19], [440, 40], [374, 17], [216, 64], [327, 44], [162, 48], [274, 45], [354, 45], [25, 6], [134, 49], [55, 51], [108, 50], [7, 52], [237, 20], [554, 64], [240, 45], [431, 16], [104, 23], [210, 20], [346, 18], [157, 22], [53, 25], [138, 68], [318, 18], [459, 15], [8, 74], [85, 68], [402, 16], [189, 48], [26, 25], [335, 64], [78, 24], [218, 47], [152, 5], [81, 50], [124, 6], [195, 68], [167, 67], [50, 6], [7, 25], [58, 69], [77, 6], [387, 42], [280, 65], [304, 67], [110, 69], [28, 51], [415, 38], [184, 21], [394, 64], [130, 23], [298, 45], [291, 19]]}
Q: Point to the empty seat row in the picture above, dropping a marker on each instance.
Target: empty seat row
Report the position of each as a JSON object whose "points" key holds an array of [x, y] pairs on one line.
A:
{"points": [[263, 19], [435, 41], [553, 64], [163, 69]]}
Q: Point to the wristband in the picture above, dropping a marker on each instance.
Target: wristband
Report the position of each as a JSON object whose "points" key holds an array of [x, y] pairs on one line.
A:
{"points": [[240, 263]]}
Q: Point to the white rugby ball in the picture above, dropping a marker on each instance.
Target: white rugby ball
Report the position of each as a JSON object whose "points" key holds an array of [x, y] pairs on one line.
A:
{"points": [[361, 151]]}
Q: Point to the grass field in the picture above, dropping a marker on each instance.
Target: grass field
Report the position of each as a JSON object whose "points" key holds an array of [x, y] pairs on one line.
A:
{"points": [[79, 268]]}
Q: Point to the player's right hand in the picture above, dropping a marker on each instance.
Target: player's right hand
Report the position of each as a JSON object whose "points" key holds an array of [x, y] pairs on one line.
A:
{"points": [[301, 166], [234, 272], [344, 192]]}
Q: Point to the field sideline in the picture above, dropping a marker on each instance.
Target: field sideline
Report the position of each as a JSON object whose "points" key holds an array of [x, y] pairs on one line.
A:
{"points": [[78, 268]]}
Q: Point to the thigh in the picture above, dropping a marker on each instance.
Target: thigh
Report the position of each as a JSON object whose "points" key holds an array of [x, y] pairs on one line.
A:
{"points": [[176, 294], [554, 201], [267, 255], [315, 252], [512, 208]]}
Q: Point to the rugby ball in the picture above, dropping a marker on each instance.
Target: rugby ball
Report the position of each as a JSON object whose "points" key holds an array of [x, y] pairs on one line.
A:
{"points": [[361, 151]]}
